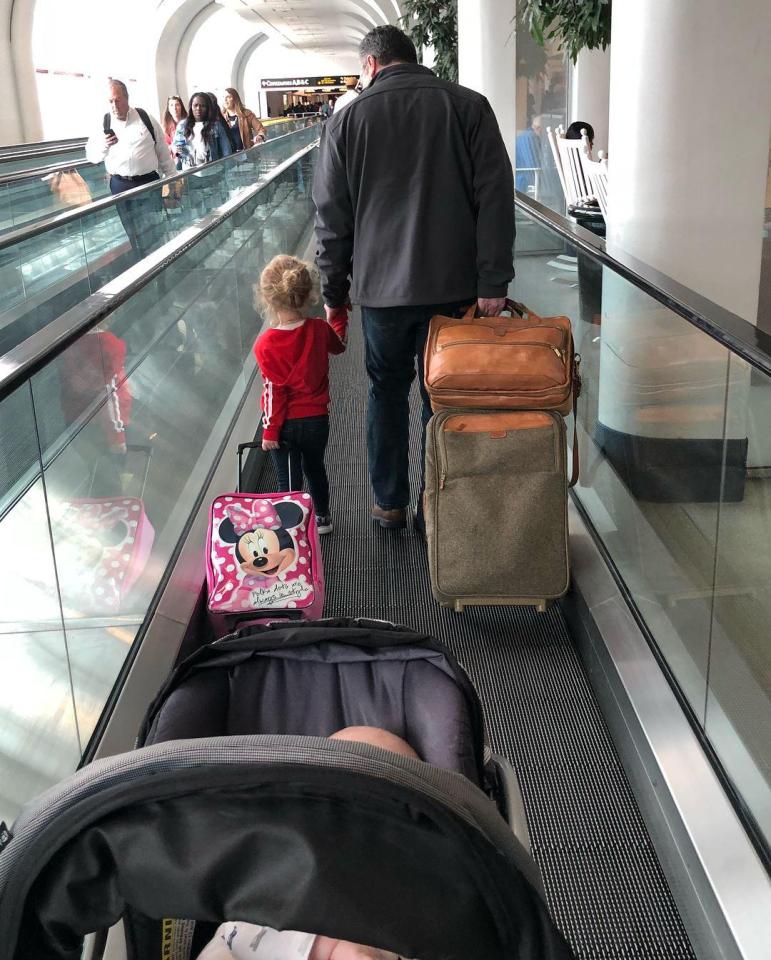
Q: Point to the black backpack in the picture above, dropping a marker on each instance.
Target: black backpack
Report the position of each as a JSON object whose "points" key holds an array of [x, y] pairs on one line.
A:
{"points": [[142, 116]]}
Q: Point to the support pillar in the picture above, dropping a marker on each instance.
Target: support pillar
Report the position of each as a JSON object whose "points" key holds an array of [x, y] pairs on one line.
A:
{"points": [[487, 58], [17, 70], [11, 124], [590, 93], [689, 109]]}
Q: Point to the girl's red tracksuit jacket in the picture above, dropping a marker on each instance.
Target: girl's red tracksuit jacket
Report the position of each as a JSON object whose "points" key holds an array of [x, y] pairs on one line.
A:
{"points": [[295, 370]]}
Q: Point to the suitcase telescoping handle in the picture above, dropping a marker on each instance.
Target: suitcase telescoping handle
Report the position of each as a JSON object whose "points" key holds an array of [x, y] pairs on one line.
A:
{"points": [[257, 444]]}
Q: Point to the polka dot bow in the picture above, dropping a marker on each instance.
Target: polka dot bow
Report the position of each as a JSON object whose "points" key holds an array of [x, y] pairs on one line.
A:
{"points": [[248, 517]]}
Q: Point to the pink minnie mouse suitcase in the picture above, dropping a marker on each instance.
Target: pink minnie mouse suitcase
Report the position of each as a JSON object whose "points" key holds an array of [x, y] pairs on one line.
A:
{"points": [[263, 559]]}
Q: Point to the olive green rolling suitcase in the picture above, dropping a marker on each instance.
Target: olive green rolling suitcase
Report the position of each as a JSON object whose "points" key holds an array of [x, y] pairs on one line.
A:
{"points": [[496, 507]]}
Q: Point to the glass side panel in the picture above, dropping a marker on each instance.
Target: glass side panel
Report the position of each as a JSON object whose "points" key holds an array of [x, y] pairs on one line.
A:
{"points": [[39, 741], [45, 275], [739, 701], [42, 196], [31, 161], [676, 480], [40, 278], [126, 424], [650, 428]]}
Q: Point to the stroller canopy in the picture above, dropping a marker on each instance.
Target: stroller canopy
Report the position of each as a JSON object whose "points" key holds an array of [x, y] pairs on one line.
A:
{"points": [[317, 677], [297, 833]]}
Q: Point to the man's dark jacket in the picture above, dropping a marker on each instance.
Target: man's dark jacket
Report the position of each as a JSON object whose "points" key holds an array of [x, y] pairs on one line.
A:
{"points": [[414, 195]]}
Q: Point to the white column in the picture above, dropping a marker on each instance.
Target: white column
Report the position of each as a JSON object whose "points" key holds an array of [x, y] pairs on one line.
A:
{"points": [[689, 125], [487, 58], [590, 93], [18, 72], [690, 107], [11, 125]]}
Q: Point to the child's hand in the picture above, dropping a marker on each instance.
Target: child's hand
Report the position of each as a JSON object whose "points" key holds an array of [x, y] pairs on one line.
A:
{"points": [[270, 444], [336, 313]]}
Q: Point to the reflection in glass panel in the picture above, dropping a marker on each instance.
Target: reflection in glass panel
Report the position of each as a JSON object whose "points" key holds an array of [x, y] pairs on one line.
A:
{"points": [[38, 731], [132, 416], [739, 705]]}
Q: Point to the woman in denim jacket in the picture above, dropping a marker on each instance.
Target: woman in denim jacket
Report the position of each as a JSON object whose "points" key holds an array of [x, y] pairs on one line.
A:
{"points": [[200, 139]]}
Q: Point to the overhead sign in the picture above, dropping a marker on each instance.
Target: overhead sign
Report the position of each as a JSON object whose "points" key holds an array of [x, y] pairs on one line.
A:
{"points": [[298, 83]]}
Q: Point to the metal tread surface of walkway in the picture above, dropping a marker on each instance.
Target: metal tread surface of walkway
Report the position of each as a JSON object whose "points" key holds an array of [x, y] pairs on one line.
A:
{"points": [[604, 885]]}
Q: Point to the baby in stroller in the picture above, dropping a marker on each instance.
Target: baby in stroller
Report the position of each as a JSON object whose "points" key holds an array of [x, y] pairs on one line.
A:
{"points": [[249, 941], [237, 805]]}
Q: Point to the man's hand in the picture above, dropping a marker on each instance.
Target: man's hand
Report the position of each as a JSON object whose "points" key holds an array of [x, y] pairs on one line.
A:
{"points": [[491, 308], [270, 444], [110, 140]]}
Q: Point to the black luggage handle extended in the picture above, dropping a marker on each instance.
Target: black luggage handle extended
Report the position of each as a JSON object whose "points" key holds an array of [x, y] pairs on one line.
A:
{"points": [[257, 444]]}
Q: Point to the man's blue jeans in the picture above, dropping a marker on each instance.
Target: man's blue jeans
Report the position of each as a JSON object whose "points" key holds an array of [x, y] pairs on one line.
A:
{"points": [[394, 337]]}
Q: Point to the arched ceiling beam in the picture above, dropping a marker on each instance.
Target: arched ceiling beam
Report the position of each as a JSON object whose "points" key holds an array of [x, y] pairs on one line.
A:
{"points": [[173, 20], [17, 18], [186, 43], [243, 56]]}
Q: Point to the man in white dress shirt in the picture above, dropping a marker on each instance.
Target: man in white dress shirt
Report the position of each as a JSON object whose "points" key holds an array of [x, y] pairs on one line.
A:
{"points": [[351, 92], [134, 150]]}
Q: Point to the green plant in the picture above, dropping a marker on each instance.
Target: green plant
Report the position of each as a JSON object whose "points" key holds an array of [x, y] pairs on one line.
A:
{"points": [[434, 23], [531, 56], [574, 24]]}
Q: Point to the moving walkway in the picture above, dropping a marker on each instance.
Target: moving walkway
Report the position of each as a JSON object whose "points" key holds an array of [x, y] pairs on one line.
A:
{"points": [[37, 184], [50, 266], [644, 823]]}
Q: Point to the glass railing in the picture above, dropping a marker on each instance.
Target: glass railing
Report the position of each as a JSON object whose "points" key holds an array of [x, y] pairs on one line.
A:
{"points": [[675, 450], [56, 266], [104, 450], [16, 160], [59, 183], [28, 197]]}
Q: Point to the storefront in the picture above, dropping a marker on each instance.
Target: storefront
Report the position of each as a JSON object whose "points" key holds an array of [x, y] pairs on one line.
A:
{"points": [[284, 94]]}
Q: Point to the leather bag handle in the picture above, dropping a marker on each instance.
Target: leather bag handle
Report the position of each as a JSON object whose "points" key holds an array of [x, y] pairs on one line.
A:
{"points": [[513, 306]]}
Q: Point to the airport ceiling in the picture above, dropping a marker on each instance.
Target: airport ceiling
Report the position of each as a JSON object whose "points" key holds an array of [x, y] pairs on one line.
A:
{"points": [[327, 27]]}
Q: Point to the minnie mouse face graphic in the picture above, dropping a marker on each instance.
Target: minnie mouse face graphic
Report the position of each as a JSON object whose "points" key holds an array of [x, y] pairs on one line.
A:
{"points": [[264, 546]]}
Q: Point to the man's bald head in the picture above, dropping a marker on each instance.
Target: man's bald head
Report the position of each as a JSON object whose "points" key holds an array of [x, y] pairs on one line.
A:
{"points": [[117, 95], [376, 737]]}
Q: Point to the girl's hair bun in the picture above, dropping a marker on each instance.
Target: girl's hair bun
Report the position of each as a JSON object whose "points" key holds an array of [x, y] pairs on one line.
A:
{"points": [[287, 283]]}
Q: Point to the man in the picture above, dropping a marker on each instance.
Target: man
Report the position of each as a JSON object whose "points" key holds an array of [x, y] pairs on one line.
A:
{"points": [[528, 154], [351, 92], [134, 149], [414, 200]]}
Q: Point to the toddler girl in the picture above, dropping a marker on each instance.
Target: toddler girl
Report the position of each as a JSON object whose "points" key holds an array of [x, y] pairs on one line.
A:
{"points": [[293, 356]]}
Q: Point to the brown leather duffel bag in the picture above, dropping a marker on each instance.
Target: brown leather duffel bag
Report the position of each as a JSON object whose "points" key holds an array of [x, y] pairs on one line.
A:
{"points": [[521, 362]]}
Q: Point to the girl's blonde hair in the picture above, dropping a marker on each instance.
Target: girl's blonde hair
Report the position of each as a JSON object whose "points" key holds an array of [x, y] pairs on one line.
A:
{"points": [[286, 284]]}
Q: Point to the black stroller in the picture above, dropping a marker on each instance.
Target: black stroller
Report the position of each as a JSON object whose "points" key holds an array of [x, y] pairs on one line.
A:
{"points": [[237, 807]]}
